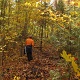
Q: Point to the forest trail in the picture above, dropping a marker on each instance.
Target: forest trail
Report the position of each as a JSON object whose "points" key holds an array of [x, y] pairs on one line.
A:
{"points": [[37, 69]]}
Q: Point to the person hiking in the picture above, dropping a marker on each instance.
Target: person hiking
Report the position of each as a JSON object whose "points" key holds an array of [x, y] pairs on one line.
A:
{"points": [[29, 44]]}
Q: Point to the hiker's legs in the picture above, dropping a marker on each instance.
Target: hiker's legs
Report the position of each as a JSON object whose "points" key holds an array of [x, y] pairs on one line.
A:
{"points": [[29, 53]]}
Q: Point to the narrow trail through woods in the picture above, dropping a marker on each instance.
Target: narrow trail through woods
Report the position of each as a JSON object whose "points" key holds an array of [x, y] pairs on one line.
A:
{"points": [[37, 69]]}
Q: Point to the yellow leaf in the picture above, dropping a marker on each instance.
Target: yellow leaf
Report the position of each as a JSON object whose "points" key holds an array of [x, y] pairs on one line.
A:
{"points": [[16, 78], [75, 66], [65, 56]]}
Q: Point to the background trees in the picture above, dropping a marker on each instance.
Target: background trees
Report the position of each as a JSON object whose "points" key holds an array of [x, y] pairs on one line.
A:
{"points": [[59, 27]]}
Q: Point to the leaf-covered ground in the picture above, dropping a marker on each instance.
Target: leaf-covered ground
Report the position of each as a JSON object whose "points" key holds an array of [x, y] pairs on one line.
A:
{"points": [[44, 66]]}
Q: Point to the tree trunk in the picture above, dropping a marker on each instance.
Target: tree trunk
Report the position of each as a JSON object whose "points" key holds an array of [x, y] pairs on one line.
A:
{"points": [[3, 2]]}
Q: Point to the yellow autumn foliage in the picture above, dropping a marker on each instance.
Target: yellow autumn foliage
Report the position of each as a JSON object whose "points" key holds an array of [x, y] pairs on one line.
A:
{"points": [[27, 4], [74, 13], [65, 56], [16, 78], [70, 58]]}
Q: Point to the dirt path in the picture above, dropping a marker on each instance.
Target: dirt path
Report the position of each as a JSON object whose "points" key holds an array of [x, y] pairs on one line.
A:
{"points": [[38, 69]]}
